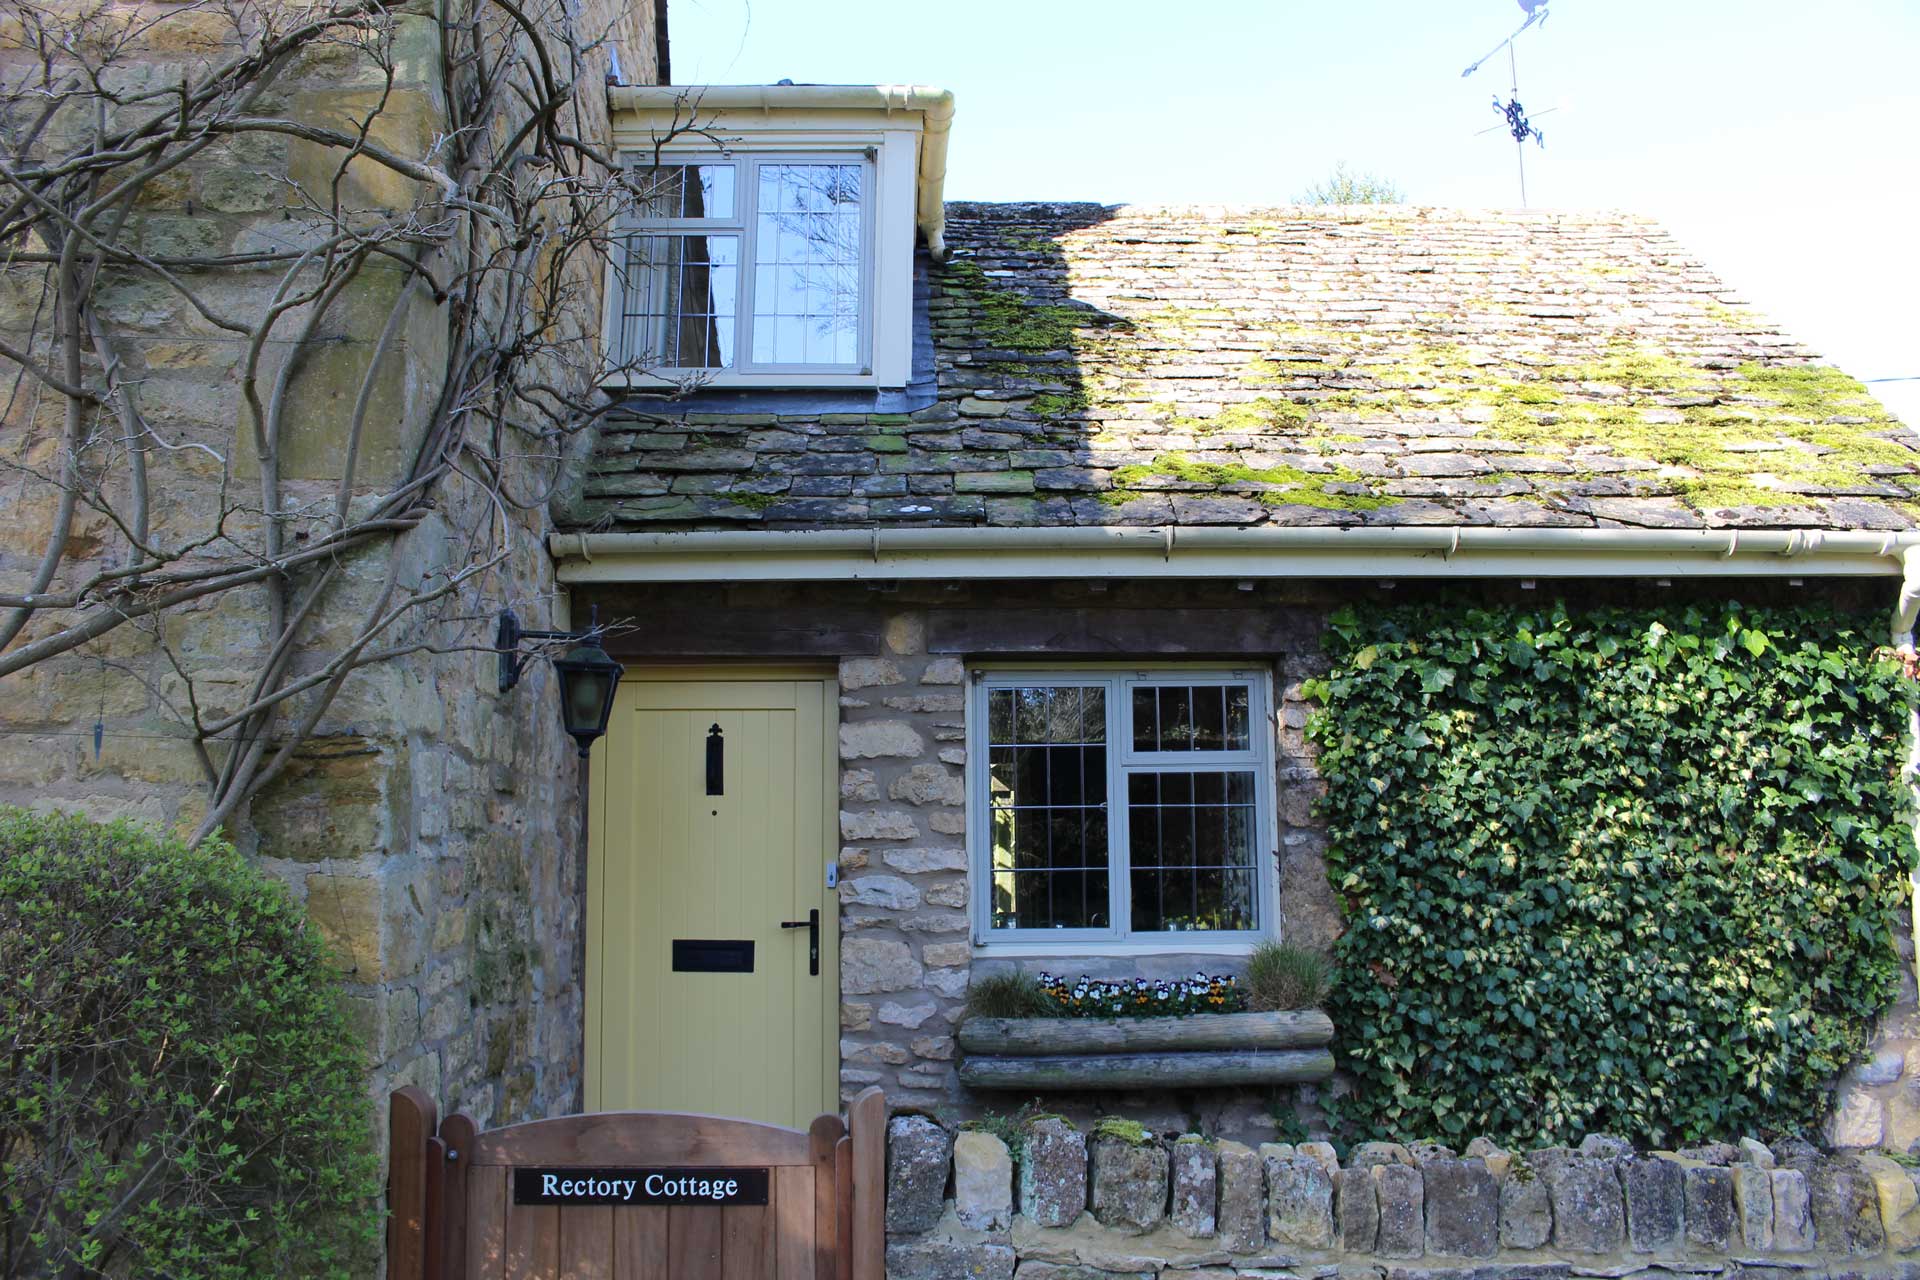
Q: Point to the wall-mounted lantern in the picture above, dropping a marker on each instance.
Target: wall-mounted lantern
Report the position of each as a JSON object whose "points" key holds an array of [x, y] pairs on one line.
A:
{"points": [[588, 677]]}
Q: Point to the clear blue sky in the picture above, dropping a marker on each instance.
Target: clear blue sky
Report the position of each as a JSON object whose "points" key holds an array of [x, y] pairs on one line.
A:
{"points": [[1779, 141]]}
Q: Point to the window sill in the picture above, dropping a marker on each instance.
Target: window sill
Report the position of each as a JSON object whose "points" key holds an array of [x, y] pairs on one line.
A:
{"points": [[1109, 950]]}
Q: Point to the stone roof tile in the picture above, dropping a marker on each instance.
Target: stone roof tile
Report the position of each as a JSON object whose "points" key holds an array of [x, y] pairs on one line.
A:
{"points": [[1303, 366]]}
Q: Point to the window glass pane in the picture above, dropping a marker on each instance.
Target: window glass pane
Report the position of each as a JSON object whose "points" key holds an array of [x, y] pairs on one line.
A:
{"points": [[1046, 796], [685, 191], [1210, 717], [1191, 842], [679, 300], [806, 278]]}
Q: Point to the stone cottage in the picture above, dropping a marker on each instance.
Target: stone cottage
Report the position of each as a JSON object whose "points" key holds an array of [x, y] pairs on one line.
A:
{"points": [[966, 561]]}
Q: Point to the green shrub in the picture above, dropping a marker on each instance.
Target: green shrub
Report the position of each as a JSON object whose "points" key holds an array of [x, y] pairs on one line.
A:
{"points": [[1624, 871], [1280, 976], [1009, 995], [180, 1094]]}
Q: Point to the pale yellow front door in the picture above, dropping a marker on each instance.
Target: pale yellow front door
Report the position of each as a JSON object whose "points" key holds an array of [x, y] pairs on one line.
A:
{"points": [[713, 825]]}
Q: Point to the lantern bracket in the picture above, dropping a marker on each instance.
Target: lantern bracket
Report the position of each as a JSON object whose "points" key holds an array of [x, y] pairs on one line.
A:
{"points": [[508, 635]]}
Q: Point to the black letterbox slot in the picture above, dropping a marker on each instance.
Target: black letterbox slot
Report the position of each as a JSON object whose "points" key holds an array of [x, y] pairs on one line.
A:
{"points": [[712, 955]]}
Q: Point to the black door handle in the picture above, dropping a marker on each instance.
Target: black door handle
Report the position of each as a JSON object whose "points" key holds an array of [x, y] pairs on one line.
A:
{"points": [[812, 925]]}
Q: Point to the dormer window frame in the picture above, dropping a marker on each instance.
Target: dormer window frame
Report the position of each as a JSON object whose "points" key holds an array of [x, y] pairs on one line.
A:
{"points": [[888, 153]]}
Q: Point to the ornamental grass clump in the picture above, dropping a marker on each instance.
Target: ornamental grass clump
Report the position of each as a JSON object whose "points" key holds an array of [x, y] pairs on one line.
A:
{"points": [[180, 1091], [1281, 976], [1009, 995], [1623, 871]]}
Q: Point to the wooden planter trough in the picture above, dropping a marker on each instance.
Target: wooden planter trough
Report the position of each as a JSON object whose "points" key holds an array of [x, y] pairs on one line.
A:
{"points": [[1201, 1051]]}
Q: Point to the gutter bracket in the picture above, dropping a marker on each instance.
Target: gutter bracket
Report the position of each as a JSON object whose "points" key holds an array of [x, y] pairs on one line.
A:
{"points": [[1166, 552], [1733, 546], [1453, 545]]}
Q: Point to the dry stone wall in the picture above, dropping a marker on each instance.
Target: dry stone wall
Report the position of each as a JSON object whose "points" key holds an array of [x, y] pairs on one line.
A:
{"points": [[1120, 1203]]}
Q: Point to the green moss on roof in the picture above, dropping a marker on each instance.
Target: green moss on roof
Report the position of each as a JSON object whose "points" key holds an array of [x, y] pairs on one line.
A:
{"points": [[1277, 486]]}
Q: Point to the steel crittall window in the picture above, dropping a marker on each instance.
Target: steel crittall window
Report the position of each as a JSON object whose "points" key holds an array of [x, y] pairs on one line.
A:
{"points": [[748, 264], [1120, 806]]}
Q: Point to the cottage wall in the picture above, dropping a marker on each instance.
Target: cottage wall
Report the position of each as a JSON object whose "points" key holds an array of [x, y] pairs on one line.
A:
{"points": [[903, 655], [431, 825]]}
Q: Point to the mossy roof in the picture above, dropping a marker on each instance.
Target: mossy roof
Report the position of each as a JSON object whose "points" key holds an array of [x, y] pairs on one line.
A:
{"points": [[1323, 366]]}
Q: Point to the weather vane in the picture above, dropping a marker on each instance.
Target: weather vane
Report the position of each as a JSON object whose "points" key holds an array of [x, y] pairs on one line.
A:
{"points": [[1515, 116]]}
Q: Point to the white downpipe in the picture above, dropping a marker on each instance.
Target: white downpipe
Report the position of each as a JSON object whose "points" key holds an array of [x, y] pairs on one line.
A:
{"points": [[1906, 610]]}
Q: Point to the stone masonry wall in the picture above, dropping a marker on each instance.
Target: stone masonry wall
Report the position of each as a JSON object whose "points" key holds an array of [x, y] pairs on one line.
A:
{"points": [[1120, 1202], [907, 956], [430, 825]]}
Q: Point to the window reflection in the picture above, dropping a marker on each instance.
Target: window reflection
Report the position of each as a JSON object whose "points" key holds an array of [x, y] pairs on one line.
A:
{"points": [[807, 242]]}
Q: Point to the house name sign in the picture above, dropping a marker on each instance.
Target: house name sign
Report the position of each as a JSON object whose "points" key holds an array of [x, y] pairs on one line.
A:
{"points": [[707, 1187]]}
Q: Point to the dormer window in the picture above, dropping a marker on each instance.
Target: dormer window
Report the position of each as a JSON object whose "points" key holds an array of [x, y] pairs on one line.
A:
{"points": [[757, 265], [773, 241]]}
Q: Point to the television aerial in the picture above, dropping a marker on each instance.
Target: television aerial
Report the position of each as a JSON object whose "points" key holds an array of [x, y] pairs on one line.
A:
{"points": [[1515, 119]]}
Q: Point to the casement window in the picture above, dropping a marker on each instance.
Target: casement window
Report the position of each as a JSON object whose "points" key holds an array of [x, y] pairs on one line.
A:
{"points": [[1121, 807], [749, 267]]}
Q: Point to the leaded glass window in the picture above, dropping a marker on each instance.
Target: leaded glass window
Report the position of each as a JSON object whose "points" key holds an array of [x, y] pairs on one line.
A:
{"points": [[1122, 805], [747, 265]]}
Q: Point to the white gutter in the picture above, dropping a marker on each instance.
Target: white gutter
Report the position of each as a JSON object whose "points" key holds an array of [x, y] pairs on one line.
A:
{"points": [[934, 105], [922, 554]]}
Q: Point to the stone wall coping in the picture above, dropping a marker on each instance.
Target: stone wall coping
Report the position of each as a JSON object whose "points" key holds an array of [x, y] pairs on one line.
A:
{"points": [[1068, 1205]]}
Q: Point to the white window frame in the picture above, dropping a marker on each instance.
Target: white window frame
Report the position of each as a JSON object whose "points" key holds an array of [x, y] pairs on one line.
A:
{"points": [[1122, 759], [890, 158]]}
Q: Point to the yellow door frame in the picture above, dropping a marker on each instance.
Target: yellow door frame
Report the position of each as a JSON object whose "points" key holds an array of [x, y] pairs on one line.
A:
{"points": [[591, 977]]}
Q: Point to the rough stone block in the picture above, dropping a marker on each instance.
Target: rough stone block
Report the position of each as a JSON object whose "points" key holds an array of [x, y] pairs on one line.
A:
{"points": [[1402, 1193], [1497, 1158], [880, 740], [1129, 1184], [1588, 1214], [1755, 1152], [1323, 1152], [1195, 1188], [871, 966], [1792, 1211], [1753, 1205], [1656, 1199], [1299, 1203], [1899, 1203], [1240, 1220], [1709, 1196], [1371, 1154], [935, 1258], [917, 1153], [1604, 1146], [1463, 1208], [1356, 1210], [1846, 1209], [1526, 1210], [1053, 1173], [982, 1182]]}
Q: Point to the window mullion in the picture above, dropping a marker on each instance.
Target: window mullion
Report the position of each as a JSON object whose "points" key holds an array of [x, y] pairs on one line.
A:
{"points": [[747, 203]]}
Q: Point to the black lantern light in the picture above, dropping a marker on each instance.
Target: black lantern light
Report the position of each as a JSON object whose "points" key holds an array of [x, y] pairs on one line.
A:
{"points": [[588, 677]]}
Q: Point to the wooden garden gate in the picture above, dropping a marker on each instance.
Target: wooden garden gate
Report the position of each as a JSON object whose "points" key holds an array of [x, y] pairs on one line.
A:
{"points": [[636, 1196]]}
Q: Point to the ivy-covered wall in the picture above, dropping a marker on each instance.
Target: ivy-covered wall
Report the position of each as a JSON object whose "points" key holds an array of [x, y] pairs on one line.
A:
{"points": [[1621, 870]]}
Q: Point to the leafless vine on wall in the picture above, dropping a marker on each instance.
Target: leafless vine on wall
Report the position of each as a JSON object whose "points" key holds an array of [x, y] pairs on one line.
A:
{"points": [[237, 242]]}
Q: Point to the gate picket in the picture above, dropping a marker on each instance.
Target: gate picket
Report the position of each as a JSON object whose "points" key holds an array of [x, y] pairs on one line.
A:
{"points": [[586, 1243], [453, 1215], [640, 1243]]}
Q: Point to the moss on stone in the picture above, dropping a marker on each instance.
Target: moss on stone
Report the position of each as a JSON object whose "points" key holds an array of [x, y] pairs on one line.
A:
{"points": [[1281, 486], [1009, 321], [1131, 1132], [753, 501], [1060, 405]]}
